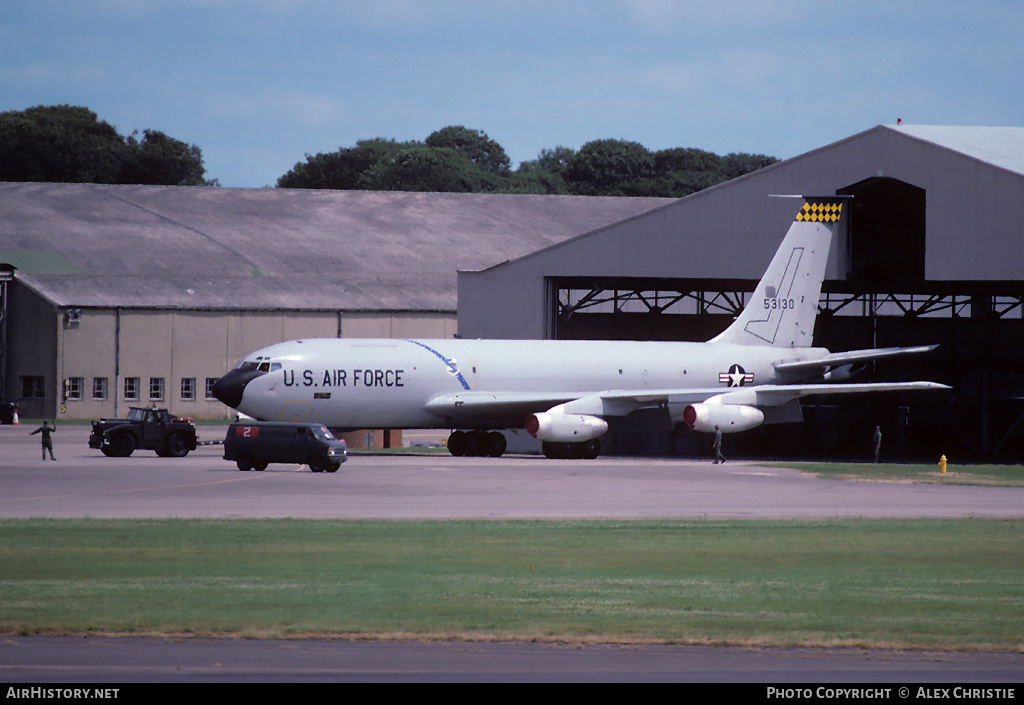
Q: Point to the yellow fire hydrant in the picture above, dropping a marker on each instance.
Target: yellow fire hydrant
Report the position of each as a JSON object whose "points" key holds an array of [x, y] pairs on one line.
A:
{"points": [[942, 464]]}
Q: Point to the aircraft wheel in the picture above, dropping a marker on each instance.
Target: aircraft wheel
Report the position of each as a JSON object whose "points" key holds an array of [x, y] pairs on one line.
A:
{"points": [[473, 444], [495, 444], [571, 451], [457, 443], [556, 451]]}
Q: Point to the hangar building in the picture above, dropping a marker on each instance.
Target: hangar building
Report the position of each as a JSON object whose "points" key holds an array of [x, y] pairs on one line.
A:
{"points": [[932, 251], [113, 296]]}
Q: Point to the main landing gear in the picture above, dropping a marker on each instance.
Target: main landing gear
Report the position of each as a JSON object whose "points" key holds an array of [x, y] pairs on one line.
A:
{"points": [[492, 444], [477, 443], [588, 450]]}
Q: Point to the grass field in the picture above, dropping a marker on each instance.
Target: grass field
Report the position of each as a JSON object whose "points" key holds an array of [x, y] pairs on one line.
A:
{"points": [[949, 584], [1001, 475]]}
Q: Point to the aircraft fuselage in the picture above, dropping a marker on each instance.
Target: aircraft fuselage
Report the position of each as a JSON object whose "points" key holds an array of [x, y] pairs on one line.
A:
{"points": [[390, 383], [565, 393]]}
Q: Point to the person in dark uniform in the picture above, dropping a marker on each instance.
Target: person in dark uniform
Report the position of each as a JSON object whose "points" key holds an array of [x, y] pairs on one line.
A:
{"points": [[717, 445], [876, 441], [47, 442]]}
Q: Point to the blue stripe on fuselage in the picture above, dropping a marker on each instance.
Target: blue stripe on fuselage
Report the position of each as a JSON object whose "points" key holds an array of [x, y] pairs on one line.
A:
{"points": [[453, 367]]}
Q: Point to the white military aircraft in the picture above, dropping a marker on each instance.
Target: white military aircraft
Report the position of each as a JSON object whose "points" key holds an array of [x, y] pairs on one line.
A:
{"points": [[565, 392]]}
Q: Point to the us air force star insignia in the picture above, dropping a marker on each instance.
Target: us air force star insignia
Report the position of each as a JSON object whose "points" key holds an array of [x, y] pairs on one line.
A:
{"points": [[735, 377]]}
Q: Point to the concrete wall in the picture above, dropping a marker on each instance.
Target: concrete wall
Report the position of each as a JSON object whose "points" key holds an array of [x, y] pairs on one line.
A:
{"points": [[170, 345], [120, 344], [398, 324]]}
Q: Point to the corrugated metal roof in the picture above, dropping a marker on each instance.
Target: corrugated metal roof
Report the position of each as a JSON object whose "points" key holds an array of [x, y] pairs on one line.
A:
{"points": [[163, 246], [999, 146]]}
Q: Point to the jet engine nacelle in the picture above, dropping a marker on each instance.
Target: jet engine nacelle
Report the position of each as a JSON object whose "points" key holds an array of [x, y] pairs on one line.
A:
{"points": [[565, 428], [730, 418]]}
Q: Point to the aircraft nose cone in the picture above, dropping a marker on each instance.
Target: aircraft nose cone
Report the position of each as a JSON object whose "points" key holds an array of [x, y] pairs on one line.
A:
{"points": [[229, 388]]}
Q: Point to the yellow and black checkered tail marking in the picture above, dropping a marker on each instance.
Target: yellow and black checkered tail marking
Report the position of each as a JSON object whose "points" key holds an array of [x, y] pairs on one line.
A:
{"points": [[820, 211]]}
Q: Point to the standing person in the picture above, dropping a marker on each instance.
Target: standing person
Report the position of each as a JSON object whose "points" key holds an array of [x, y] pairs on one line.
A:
{"points": [[47, 442], [717, 445], [876, 441]]}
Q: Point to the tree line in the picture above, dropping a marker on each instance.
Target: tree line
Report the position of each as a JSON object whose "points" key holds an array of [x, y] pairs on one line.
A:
{"points": [[461, 159], [71, 144]]}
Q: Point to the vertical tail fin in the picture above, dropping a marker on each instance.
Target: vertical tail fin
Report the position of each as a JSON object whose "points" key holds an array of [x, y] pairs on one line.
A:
{"points": [[785, 302]]}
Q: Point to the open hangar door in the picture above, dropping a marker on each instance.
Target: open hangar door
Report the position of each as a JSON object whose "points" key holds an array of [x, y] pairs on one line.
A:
{"points": [[886, 233], [882, 250], [883, 301]]}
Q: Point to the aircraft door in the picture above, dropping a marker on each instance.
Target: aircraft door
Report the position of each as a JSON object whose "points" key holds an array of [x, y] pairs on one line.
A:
{"points": [[295, 410]]}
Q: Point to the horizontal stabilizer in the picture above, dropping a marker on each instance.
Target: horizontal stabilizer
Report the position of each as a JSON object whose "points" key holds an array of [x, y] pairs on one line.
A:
{"points": [[847, 358]]}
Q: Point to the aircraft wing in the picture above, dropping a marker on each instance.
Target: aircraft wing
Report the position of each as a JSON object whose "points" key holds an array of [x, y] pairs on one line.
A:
{"points": [[512, 408], [778, 394], [619, 403], [490, 407], [486, 408]]}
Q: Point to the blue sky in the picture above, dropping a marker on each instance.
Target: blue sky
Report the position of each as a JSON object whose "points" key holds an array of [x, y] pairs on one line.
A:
{"points": [[258, 84]]}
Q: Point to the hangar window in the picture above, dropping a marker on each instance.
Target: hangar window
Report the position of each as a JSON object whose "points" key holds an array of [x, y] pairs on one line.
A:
{"points": [[156, 388], [131, 388], [99, 388], [32, 387], [210, 381], [188, 388], [73, 388]]}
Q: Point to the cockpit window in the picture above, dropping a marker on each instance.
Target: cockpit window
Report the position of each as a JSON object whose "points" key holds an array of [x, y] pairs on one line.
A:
{"points": [[262, 364]]}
